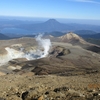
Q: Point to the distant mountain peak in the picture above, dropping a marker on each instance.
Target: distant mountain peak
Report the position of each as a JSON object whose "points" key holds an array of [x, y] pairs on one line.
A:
{"points": [[52, 21]]}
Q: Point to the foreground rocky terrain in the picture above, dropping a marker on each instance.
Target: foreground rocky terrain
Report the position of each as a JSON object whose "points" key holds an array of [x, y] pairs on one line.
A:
{"points": [[69, 72], [27, 86]]}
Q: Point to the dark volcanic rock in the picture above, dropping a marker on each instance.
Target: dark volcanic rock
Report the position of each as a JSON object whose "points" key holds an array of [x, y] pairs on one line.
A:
{"points": [[59, 51], [2, 99]]}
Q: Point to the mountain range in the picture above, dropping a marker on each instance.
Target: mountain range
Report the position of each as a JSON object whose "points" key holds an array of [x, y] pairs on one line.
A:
{"points": [[53, 25], [15, 28]]}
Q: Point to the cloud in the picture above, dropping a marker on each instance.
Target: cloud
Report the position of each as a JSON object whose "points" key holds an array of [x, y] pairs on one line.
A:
{"points": [[87, 1]]}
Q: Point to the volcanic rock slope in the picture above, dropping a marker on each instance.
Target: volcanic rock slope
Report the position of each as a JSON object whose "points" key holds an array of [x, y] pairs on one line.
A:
{"points": [[76, 40], [69, 72]]}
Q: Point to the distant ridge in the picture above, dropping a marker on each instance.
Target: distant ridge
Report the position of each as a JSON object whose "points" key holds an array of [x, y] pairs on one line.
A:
{"points": [[3, 37], [85, 32], [93, 36], [55, 33]]}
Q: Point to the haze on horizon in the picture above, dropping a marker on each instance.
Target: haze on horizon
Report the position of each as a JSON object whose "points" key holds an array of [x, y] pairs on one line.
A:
{"points": [[61, 9]]}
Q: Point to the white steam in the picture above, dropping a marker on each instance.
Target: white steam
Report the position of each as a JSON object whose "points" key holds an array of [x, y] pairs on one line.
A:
{"points": [[45, 43], [11, 54], [40, 52]]}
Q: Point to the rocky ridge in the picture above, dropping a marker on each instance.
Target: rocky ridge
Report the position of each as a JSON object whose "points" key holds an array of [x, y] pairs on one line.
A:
{"points": [[72, 37]]}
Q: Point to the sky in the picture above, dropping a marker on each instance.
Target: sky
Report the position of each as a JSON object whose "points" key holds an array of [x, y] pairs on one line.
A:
{"points": [[75, 9]]}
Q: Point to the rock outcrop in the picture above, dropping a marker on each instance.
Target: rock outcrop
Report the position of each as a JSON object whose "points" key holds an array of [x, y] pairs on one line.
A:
{"points": [[59, 51]]}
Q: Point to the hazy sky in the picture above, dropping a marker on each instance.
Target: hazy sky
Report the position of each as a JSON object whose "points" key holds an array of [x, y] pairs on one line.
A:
{"points": [[77, 9]]}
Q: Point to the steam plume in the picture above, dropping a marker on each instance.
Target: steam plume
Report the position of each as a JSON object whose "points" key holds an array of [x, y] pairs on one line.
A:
{"points": [[45, 43], [30, 55], [42, 44]]}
